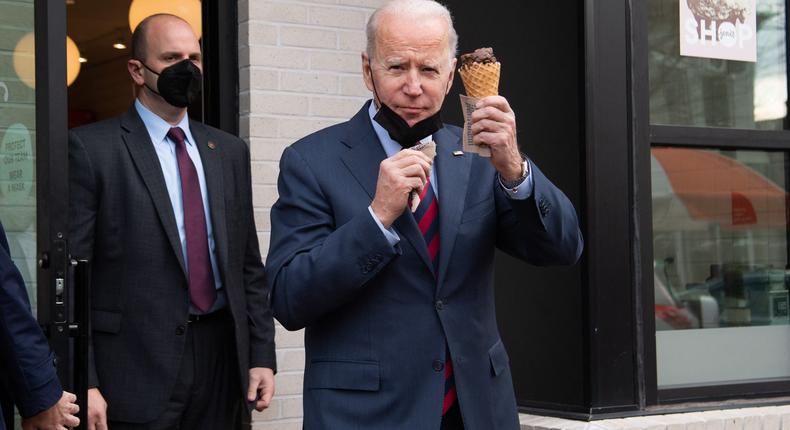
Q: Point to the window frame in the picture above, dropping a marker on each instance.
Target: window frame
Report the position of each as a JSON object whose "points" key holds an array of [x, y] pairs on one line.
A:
{"points": [[221, 66], [646, 136]]}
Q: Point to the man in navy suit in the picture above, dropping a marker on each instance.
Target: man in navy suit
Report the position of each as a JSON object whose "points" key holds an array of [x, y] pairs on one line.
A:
{"points": [[398, 305], [26, 358]]}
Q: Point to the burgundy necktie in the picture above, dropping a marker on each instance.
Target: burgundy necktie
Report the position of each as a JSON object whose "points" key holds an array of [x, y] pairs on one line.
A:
{"points": [[427, 217], [201, 277]]}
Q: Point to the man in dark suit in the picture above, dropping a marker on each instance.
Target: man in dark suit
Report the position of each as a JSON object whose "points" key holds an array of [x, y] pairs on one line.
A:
{"points": [[399, 306], [182, 329], [26, 360]]}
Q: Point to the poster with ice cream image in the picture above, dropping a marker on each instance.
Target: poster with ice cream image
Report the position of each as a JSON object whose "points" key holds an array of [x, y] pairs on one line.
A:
{"points": [[725, 29]]}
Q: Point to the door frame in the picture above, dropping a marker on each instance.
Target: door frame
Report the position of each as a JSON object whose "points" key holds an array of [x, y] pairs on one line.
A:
{"points": [[51, 169]]}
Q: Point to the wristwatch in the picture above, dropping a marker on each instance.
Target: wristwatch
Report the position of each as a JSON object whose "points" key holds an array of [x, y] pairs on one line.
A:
{"points": [[513, 185]]}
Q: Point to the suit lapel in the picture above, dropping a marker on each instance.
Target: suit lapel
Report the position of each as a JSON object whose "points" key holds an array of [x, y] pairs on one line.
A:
{"points": [[142, 151], [211, 156], [363, 160], [453, 178], [365, 152]]}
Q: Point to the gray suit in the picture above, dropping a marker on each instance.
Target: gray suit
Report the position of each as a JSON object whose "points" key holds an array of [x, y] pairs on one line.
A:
{"points": [[122, 220]]}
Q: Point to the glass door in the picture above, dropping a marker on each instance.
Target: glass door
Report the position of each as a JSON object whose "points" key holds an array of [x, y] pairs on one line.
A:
{"points": [[18, 136], [17, 140], [33, 161]]}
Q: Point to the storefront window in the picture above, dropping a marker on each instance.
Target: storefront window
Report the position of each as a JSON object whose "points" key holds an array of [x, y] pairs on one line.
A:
{"points": [[720, 247], [714, 92], [17, 138]]}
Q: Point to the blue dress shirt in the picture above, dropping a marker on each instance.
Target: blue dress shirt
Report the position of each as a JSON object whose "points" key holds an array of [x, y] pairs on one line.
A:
{"points": [[166, 152]]}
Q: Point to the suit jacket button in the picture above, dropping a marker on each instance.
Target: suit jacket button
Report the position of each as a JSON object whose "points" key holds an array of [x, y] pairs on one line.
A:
{"points": [[439, 305], [438, 366], [180, 330]]}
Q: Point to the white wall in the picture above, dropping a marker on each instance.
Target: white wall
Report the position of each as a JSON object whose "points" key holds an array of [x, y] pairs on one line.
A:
{"points": [[299, 72]]}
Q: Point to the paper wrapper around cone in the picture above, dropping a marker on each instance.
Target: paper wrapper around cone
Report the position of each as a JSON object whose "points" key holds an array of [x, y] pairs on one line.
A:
{"points": [[481, 79], [429, 149]]}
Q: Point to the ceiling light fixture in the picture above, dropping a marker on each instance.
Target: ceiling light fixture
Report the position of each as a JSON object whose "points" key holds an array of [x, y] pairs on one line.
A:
{"points": [[119, 45], [72, 61], [25, 65], [188, 10]]}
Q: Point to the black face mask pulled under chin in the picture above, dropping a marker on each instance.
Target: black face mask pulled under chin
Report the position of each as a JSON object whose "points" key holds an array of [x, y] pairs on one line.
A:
{"points": [[179, 84], [398, 129]]}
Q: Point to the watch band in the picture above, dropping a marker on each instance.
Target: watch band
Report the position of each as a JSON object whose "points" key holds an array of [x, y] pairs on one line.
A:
{"points": [[513, 185]]}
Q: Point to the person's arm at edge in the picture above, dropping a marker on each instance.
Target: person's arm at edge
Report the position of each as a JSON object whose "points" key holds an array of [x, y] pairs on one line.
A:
{"points": [[263, 361], [31, 365]]}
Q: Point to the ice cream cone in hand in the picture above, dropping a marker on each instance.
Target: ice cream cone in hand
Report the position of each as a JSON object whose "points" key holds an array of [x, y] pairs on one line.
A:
{"points": [[480, 73]]}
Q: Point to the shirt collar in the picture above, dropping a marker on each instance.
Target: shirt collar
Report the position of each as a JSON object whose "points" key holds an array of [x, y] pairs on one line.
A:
{"points": [[390, 146], [158, 127]]}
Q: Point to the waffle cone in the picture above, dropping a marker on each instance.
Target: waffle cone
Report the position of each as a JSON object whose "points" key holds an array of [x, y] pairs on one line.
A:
{"points": [[481, 80]]}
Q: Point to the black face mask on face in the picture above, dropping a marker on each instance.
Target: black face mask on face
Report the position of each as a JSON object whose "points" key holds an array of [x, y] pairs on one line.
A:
{"points": [[398, 129], [178, 84]]}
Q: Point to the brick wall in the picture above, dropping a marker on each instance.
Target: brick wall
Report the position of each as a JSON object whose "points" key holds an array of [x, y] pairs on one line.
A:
{"points": [[299, 72]]}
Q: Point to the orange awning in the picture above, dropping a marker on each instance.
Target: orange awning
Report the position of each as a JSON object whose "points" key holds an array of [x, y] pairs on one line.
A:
{"points": [[720, 189]]}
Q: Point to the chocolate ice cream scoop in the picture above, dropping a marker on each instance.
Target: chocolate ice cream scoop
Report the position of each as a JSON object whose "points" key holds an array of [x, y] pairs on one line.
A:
{"points": [[479, 72], [481, 55]]}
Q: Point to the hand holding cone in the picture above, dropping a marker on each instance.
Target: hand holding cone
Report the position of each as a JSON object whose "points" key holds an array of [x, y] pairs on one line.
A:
{"points": [[480, 74]]}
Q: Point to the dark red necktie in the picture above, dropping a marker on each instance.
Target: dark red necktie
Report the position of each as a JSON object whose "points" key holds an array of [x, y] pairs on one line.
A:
{"points": [[427, 217], [201, 277]]}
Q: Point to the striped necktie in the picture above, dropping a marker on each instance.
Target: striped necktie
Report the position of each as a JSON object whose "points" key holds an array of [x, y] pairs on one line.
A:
{"points": [[427, 217]]}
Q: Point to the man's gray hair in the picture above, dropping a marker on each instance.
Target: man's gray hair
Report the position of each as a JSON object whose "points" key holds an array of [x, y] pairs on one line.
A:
{"points": [[417, 9]]}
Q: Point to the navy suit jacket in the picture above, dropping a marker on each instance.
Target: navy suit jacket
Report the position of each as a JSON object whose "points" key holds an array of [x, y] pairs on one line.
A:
{"points": [[25, 356], [377, 317]]}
